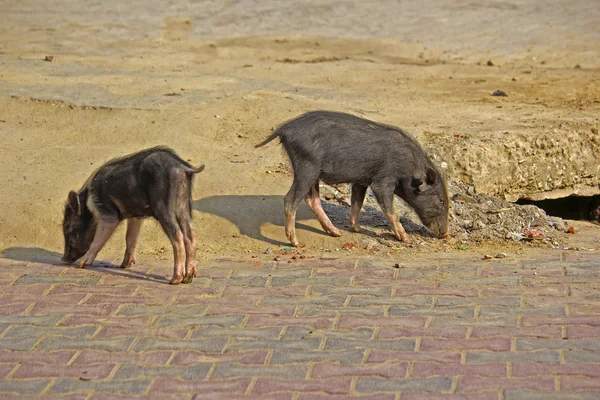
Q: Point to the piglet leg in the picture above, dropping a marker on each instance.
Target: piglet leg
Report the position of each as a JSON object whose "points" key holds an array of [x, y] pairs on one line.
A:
{"points": [[384, 193], [358, 198], [169, 224], [103, 232], [189, 239], [133, 231], [314, 203]]}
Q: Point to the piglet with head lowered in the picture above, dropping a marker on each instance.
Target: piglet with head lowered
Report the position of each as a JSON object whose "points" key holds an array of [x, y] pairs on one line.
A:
{"points": [[154, 182], [341, 148]]}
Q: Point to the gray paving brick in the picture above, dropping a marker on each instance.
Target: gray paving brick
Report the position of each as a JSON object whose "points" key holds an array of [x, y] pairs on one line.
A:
{"points": [[128, 387], [367, 301], [519, 394], [444, 322], [18, 343], [301, 332], [250, 344], [490, 311], [42, 320], [448, 301], [582, 356], [396, 344], [220, 320], [212, 345], [371, 385], [481, 357], [23, 386], [142, 309], [300, 356], [217, 331], [75, 280], [313, 311], [223, 371], [457, 312], [131, 371], [62, 342], [327, 301], [38, 332], [526, 344], [377, 291], [495, 280]]}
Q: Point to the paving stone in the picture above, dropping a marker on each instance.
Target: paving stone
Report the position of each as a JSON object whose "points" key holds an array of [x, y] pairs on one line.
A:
{"points": [[489, 311], [285, 356], [326, 290], [482, 357], [37, 332], [197, 357], [526, 344], [220, 320], [302, 332], [392, 344], [519, 394], [50, 279], [132, 371], [143, 309], [18, 343], [382, 355], [213, 345], [60, 342], [23, 386], [329, 386], [449, 301], [368, 301], [371, 385], [169, 385], [217, 331], [129, 387], [456, 312], [97, 357], [44, 320], [88, 372], [581, 356], [224, 371], [252, 344], [468, 384], [387, 370]]}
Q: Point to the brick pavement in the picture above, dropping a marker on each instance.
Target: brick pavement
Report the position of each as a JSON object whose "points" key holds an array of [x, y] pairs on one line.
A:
{"points": [[448, 326]]}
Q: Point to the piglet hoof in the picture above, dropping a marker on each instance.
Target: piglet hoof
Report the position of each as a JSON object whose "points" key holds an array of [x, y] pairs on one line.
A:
{"points": [[335, 232], [127, 263], [188, 278], [356, 228], [176, 280]]}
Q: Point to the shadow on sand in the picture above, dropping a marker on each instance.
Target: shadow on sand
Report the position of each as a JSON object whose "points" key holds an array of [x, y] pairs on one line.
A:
{"points": [[43, 256], [249, 213]]}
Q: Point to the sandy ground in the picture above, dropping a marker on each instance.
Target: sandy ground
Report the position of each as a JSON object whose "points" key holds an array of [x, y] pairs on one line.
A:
{"points": [[172, 77]]}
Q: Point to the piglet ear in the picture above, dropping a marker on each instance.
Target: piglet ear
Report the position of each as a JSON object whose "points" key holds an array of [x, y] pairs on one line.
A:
{"points": [[73, 202], [431, 176]]}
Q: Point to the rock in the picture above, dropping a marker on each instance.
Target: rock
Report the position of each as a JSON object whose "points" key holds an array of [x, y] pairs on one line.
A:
{"points": [[499, 93], [500, 255]]}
